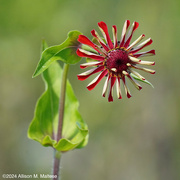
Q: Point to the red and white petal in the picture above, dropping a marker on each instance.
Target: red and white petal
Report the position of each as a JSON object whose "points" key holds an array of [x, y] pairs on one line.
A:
{"points": [[84, 53], [125, 87], [138, 61], [110, 96], [105, 86], [88, 73], [142, 45], [130, 33], [104, 29], [135, 42], [134, 60], [150, 63], [98, 38], [143, 54], [118, 88], [90, 64], [93, 84], [114, 31], [138, 86], [125, 27], [144, 69], [84, 40]]}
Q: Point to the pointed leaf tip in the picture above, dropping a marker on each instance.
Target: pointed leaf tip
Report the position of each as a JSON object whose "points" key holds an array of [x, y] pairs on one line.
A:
{"points": [[44, 46]]}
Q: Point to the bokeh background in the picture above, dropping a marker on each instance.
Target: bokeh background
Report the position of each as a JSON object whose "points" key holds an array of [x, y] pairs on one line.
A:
{"points": [[130, 139]]}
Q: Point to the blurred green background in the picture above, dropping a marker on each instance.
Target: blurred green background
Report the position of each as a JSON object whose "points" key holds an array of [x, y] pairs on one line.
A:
{"points": [[130, 139]]}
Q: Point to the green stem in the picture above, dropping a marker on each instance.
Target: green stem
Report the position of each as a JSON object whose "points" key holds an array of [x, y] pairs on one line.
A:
{"points": [[62, 101], [56, 163], [57, 154]]}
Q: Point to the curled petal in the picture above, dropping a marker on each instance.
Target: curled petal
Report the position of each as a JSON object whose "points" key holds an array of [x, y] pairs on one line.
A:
{"points": [[103, 27], [144, 69], [110, 97], [105, 86], [138, 61], [114, 30], [150, 63], [84, 53], [118, 88], [143, 54], [134, 60], [125, 87], [93, 84], [130, 34]]}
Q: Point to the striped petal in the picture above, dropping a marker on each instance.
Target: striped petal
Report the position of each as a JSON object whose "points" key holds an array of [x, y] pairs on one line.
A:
{"points": [[104, 29], [135, 42], [134, 60], [118, 88], [90, 64], [130, 34], [125, 87], [105, 86], [84, 53], [138, 61], [125, 27], [144, 69], [150, 63], [142, 45], [143, 54], [110, 96], [93, 84], [114, 31], [88, 73]]}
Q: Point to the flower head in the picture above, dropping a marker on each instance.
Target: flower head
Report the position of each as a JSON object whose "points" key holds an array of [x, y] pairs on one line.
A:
{"points": [[115, 60]]}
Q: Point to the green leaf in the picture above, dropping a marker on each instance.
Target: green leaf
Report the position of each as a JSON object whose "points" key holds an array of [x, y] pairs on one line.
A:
{"points": [[65, 52], [43, 127], [144, 81]]}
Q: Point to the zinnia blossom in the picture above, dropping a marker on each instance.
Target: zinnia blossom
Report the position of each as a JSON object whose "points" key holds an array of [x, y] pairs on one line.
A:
{"points": [[115, 60]]}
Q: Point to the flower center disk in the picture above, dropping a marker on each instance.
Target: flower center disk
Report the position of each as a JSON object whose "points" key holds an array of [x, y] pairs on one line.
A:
{"points": [[116, 61]]}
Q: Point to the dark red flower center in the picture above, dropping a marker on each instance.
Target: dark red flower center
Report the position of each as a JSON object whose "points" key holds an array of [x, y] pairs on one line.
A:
{"points": [[116, 61]]}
